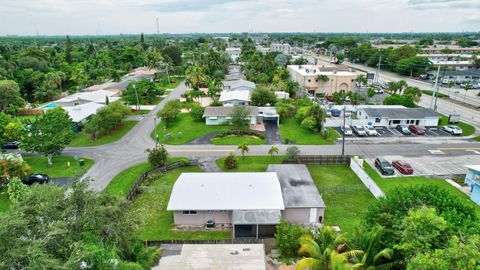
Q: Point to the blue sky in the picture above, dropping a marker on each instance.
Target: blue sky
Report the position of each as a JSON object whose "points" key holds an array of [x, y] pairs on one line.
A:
{"points": [[76, 17]]}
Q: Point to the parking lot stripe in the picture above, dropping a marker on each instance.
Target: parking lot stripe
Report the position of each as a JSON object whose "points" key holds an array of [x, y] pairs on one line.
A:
{"points": [[459, 149]]}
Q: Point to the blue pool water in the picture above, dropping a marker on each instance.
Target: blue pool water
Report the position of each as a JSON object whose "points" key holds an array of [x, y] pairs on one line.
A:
{"points": [[49, 106]]}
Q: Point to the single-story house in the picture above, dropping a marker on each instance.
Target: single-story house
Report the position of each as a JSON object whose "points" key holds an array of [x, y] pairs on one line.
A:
{"points": [[251, 203], [238, 84], [221, 115], [268, 114], [472, 179], [303, 203], [392, 117], [81, 113], [79, 98], [235, 97]]}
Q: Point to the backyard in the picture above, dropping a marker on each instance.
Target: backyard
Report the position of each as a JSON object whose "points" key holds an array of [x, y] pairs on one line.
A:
{"points": [[83, 139], [292, 131], [346, 198], [184, 130], [156, 223]]}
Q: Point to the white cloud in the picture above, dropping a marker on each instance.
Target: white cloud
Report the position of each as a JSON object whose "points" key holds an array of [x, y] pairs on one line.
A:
{"points": [[184, 16]]}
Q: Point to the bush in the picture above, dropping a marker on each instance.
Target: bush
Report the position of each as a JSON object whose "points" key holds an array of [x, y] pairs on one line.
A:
{"points": [[310, 123], [196, 111], [16, 189], [287, 237], [230, 161], [216, 103], [293, 152], [301, 114], [157, 157]]}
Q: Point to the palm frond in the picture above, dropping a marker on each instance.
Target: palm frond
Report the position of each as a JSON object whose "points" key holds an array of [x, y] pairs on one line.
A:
{"points": [[307, 263]]}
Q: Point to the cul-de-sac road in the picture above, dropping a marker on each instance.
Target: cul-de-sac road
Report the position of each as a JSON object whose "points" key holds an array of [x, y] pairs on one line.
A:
{"points": [[113, 158]]}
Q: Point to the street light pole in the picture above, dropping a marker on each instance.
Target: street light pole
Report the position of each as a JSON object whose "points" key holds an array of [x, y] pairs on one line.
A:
{"points": [[155, 128], [136, 94]]}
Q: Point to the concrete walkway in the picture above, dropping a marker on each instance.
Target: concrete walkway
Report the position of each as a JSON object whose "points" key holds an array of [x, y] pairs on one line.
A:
{"points": [[208, 164]]}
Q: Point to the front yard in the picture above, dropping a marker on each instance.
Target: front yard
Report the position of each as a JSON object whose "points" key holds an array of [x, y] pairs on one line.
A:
{"points": [[164, 83], [83, 139], [60, 166], [155, 222], [292, 131], [345, 197], [184, 130], [236, 140], [251, 163]]}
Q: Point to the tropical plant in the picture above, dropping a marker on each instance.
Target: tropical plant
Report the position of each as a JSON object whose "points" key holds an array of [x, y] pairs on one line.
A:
{"points": [[293, 152], [243, 149], [273, 150], [230, 161], [157, 157], [195, 76], [16, 189], [373, 258]]}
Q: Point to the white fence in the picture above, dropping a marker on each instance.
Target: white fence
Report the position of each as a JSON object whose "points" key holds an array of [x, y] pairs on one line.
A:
{"points": [[355, 165]]}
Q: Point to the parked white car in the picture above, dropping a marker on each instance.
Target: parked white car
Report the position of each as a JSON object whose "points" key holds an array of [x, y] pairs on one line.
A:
{"points": [[359, 130], [371, 131], [454, 130], [347, 130]]}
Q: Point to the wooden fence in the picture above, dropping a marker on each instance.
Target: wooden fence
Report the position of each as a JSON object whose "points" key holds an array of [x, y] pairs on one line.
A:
{"points": [[133, 190], [320, 159], [268, 243]]}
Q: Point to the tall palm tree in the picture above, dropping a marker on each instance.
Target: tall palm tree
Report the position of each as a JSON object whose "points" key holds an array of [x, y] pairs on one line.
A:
{"points": [[466, 87], [273, 150], [373, 258], [243, 149], [196, 76], [215, 86]]}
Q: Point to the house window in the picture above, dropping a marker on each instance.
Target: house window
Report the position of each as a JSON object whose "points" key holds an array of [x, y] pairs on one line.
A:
{"points": [[396, 122], [189, 212], [309, 80], [377, 120], [213, 118]]}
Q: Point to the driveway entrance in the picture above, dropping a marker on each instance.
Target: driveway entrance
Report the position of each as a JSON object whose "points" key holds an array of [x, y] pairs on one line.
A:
{"points": [[272, 134]]}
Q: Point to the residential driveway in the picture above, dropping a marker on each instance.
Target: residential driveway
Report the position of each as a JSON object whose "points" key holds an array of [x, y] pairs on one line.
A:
{"points": [[272, 134], [203, 139], [63, 181]]}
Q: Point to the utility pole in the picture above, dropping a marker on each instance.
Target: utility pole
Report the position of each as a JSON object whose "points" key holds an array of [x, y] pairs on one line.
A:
{"points": [[136, 94], [435, 89], [155, 128], [158, 28], [343, 133], [378, 69]]}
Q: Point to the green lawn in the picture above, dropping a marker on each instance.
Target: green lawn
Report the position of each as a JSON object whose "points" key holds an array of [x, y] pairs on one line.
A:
{"points": [[391, 184], [252, 163], [184, 130], [466, 128], [83, 139], [236, 140], [156, 223], [438, 94], [165, 84], [292, 131], [60, 166], [121, 184], [345, 197], [477, 138]]}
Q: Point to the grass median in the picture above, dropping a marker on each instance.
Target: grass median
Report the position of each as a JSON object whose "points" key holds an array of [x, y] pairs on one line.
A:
{"points": [[466, 128]]}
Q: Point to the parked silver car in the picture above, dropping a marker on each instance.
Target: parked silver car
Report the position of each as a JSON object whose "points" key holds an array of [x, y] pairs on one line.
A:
{"points": [[371, 131], [454, 130], [359, 130], [347, 130]]}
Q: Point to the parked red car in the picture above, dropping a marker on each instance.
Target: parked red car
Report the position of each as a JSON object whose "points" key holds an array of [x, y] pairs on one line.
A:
{"points": [[329, 98], [402, 166], [416, 130]]}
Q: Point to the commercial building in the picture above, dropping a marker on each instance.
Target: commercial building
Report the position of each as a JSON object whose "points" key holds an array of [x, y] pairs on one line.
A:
{"points": [[322, 80], [472, 179], [459, 76], [281, 47], [251, 203], [450, 49], [392, 117], [451, 61], [234, 53]]}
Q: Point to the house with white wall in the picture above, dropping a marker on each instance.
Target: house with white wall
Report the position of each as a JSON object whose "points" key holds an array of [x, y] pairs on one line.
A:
{"points": [[472, 179], [222, 115], [393, 116]]}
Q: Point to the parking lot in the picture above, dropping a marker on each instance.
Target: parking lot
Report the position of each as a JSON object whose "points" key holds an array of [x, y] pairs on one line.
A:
{"points": [[437, 164], [391, 132]]}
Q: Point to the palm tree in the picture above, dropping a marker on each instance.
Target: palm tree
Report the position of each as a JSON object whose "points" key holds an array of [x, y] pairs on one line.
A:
{"points": [[215, 86], [325, 251], [273, 150], [243, 149], [196, 76], [373, 258], [362, 80]]}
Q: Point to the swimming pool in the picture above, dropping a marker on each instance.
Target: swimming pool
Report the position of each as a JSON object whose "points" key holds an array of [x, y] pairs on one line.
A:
{"points": [[50, 106]]}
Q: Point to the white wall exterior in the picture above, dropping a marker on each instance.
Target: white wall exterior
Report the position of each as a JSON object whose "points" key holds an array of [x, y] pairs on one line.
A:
{"points": [[302, 215], [199, 219], [356, 166]]}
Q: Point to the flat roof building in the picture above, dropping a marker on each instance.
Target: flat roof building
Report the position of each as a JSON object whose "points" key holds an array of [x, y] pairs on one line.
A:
{"points": [[392, 117]]}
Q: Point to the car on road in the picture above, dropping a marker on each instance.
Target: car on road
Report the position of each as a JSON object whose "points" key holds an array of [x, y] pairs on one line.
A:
{"points": [[416, 130], [403, 129], [347, 130], [379, 91], [11, 145], [402, 166], [454, 130], [36, 178], [359, 131], [371, 131], [384, 166]]}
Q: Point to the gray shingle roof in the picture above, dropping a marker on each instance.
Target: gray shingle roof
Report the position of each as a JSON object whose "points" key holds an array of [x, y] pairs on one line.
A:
{"points": [[298, 188], [401, 113], [226, 111]]}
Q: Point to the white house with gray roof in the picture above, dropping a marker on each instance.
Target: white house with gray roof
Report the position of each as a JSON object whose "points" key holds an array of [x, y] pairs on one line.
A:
{"points": [[221, 115], [392, 117], [251, 203]]}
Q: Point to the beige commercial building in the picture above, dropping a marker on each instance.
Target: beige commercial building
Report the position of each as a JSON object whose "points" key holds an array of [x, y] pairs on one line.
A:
{"points": [[322, 80]]}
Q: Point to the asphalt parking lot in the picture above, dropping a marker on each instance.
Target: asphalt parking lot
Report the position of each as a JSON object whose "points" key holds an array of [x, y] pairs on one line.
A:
{"points": [[434, 165], [391, 132]]}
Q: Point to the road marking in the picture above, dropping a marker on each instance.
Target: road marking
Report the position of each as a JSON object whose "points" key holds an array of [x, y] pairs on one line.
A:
{"points": [[474, 151], [436, 152], [459, 149]]}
